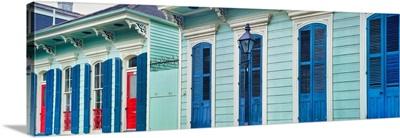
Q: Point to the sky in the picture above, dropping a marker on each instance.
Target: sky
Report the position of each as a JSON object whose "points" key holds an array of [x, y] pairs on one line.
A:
{"points": [[80, 7]]}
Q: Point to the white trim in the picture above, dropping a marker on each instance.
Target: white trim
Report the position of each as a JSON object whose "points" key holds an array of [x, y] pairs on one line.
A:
{"points": [[42, 65], [296, 14], [97, 54], [302, 19], [125, 70], [195, 36], [92, 94], [63, 102], [67, 60], [99, 22], [254, 21], [180, 80], [130, 47], [261, 30], [363, 64], [39, 84], [148, 82]]}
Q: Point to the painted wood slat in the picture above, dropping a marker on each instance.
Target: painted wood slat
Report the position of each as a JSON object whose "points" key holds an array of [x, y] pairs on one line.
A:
{"points": [[75, 99], [141, 92], [49, 101], [32, 115], [86, 119], [106, 96], [118, 94], [57, 110]]}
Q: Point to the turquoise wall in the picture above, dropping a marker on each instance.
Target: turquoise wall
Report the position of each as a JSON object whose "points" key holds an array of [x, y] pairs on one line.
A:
{"points": [[279, 68], [346, 66], [163, 114], [163, 107]]}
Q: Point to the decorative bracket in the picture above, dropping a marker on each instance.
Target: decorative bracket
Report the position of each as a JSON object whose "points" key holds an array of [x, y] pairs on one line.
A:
{"points": [[178, 20], [140, 28], [221, 13], [108, 35], [78, 43], [49, 49]]}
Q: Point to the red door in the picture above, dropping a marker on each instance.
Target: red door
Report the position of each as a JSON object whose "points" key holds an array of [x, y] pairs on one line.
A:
{"points": [[131, 101], [43, 109]]}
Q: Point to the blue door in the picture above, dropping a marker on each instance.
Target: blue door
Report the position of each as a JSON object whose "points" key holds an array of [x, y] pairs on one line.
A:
{"points": [[250, 105], [312, 73], [201, 85], [383, 66]]}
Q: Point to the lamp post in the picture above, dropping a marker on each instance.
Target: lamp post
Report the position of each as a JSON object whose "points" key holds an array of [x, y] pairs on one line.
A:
{"points": [[246, 43]]}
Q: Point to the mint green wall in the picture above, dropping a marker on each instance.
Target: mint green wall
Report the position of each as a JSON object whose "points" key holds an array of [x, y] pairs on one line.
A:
{"points": [[163, 105], [346, 66], [164, 42], [279, 77]]}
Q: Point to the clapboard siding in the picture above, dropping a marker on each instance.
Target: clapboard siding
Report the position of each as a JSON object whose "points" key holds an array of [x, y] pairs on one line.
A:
{"points": [[224, 76], [346, 49], [164, 40], [279, 68]]}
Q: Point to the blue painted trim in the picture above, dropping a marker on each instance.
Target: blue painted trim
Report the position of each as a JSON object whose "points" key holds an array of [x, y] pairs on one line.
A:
{"points": [[75, 99], [32, 119], [141, 92], [57, 110], [49, 102], [86, 110], [118, 93], [106, 96]]}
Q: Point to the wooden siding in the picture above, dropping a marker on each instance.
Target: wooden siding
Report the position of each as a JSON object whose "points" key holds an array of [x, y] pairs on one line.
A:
{"points": [[279, 77], [346, 62]]}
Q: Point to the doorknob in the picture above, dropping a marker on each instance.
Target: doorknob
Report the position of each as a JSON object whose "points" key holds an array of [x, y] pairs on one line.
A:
{"points": [[380, 91]]}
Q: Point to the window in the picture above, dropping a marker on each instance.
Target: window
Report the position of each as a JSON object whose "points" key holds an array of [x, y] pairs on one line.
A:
{"points": [[44, 77], [67, 96], [98, 73], [132, 62]]}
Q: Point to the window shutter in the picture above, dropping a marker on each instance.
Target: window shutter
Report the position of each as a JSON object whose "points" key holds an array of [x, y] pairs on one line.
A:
{"points": [[75, 99], [118, 93], [305, 44], [106, 94], [392, 49], [86, 108], [375, 61], [49, 101], [32, 119], [197, 85], [57, 110], [319, 80], [141, 92]]}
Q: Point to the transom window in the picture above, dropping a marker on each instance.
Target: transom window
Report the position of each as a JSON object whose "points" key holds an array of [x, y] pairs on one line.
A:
{"points": [[132, 62]]}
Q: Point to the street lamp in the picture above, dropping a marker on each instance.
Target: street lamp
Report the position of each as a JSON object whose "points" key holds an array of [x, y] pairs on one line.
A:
{"points": [[246, 43]]}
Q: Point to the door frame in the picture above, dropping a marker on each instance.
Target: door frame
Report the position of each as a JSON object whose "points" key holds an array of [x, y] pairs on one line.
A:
{"points": [[39, 99], [125, 70], [299, 21]]}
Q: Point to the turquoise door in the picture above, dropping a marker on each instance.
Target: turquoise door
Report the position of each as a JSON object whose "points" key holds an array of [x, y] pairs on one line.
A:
{"points": [[312, 73], [383, 66], [201, 85]]}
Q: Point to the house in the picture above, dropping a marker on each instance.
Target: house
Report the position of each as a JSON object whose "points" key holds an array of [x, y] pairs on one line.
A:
{"points": [[307, 66], [94, 73]]}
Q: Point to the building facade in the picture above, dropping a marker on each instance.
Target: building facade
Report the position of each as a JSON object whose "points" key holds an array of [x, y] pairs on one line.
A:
{"points": [[307, 66], [92, 74], [145, 68]]}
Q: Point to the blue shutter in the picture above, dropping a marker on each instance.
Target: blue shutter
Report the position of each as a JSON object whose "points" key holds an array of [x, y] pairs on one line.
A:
{"points": [[141, 92], [86, 108], [118, 93], [106, 94], [57, 110], [49, 101], [197, 86], [319, 73], [75, 99], [32, 116]]}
